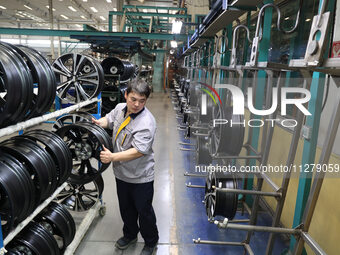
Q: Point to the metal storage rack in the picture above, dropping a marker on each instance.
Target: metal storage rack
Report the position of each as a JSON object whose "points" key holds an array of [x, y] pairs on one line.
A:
{"points": [[90, 214]]}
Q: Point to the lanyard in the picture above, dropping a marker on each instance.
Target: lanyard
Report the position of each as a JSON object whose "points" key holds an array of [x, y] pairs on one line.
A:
{"points": [[123, 125]]}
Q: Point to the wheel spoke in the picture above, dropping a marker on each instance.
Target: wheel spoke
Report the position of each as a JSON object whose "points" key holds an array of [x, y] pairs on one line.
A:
{"points": [[75, 135], [63, 88], [63, 198], [62, 68], [81, 203], [82, 92], [88, 75], [2, 101], [94, 199], [93, 81], [89, 167], [77, 66]]}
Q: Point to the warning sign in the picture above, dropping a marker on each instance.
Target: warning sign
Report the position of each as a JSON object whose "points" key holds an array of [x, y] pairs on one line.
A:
{"points": [[336, 50]]}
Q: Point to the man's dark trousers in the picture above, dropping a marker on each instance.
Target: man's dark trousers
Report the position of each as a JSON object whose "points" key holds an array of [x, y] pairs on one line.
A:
{"points": [[135, 203]]}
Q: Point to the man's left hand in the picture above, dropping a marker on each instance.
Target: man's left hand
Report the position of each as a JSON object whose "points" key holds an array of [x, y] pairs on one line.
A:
{"points": [[105, 155]]}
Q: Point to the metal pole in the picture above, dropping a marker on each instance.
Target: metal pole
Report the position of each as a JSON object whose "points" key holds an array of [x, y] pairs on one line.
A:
{"points": [[59, 40], [286, 178], [50, 10], [195, 175], [19, 25], [265, 144], [319, 177], [251, 192], [199, 241], [251, 228], [312, 244], [236, 157]]}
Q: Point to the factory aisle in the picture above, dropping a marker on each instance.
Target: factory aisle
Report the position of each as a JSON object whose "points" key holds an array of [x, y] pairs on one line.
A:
{"points": [[105, 231], [181, 215]]}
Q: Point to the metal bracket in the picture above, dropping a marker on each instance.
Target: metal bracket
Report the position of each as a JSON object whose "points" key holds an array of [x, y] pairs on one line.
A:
{"points": [[185, 149], [189, 185], [254, 51], [316, 46], [222, 224], [307, 132], [200, 134]]}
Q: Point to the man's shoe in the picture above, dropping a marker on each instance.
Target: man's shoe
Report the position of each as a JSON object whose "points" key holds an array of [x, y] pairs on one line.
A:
{"points": [[123, 242], [147, 250]]}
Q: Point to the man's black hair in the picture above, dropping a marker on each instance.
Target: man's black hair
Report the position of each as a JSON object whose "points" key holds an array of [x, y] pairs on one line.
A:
{"points": [[140, 87]]}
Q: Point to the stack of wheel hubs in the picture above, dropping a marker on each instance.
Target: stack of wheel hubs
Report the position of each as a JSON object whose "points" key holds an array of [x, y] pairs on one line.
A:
{"points": [[27, 84], [32, 166], [49, 233]]}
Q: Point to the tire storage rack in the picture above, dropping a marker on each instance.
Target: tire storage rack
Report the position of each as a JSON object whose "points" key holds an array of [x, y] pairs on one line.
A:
{"points": [[224, 143], [117, 73], [40, 163]]}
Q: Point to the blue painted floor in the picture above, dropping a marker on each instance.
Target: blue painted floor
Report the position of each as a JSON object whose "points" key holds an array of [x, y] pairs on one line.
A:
{"points": [[192, 220]]}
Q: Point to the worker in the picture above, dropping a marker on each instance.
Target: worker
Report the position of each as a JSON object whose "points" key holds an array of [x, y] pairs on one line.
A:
{"points": [[132, 159]]}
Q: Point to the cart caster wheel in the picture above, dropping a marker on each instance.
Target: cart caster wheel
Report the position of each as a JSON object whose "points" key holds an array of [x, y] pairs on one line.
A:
{"points": [[102, 211]]}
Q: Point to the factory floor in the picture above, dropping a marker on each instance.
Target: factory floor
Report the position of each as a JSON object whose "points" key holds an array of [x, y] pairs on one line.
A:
{"points": [[180, 212]]}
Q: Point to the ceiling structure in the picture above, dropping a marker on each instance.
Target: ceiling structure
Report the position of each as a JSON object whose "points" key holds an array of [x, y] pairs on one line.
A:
{"points": [[67, 14]]}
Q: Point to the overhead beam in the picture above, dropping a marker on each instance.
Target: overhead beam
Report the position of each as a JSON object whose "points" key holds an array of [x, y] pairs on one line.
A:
{"points": [[68, 33], [151, 14], [154, 7], [68, 22]]}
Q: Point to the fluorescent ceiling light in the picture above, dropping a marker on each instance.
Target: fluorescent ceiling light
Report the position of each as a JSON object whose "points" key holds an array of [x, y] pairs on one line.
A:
{"points": [[63, 16], [115, 9], [102, 18], [21, 16], [3, 7], [31, 16], [28, 7], [176, 27], [173, 44], [307, 20], [84, 0], [109, 1], [287, 18], [144, 10], [77, 25], [48, 7], [72, 9], [83, 17], [93, 9]]}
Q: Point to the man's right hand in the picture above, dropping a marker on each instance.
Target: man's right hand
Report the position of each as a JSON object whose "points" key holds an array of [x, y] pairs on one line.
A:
{"points": [[101, 122]]}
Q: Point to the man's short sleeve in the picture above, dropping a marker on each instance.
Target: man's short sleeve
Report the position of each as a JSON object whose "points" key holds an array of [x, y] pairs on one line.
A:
{"points": [[143, 140]]}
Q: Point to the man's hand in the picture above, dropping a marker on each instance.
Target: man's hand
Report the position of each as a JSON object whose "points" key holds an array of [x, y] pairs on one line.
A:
{"points": [[106, 156], [102, 122]]}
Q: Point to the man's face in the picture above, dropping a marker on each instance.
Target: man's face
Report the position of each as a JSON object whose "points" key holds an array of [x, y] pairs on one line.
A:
{"points": [[135, 102]]}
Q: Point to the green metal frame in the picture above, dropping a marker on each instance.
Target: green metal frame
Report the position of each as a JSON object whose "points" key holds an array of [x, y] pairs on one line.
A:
{"points": [[68, 46], [68, 33], [87, 27], [260, 89], [154, 7], [151, 14], [310, 146], [245, 50]]}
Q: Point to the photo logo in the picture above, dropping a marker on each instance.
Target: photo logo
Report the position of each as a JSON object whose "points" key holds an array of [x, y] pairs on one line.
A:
{"points": [[239, 102]]}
